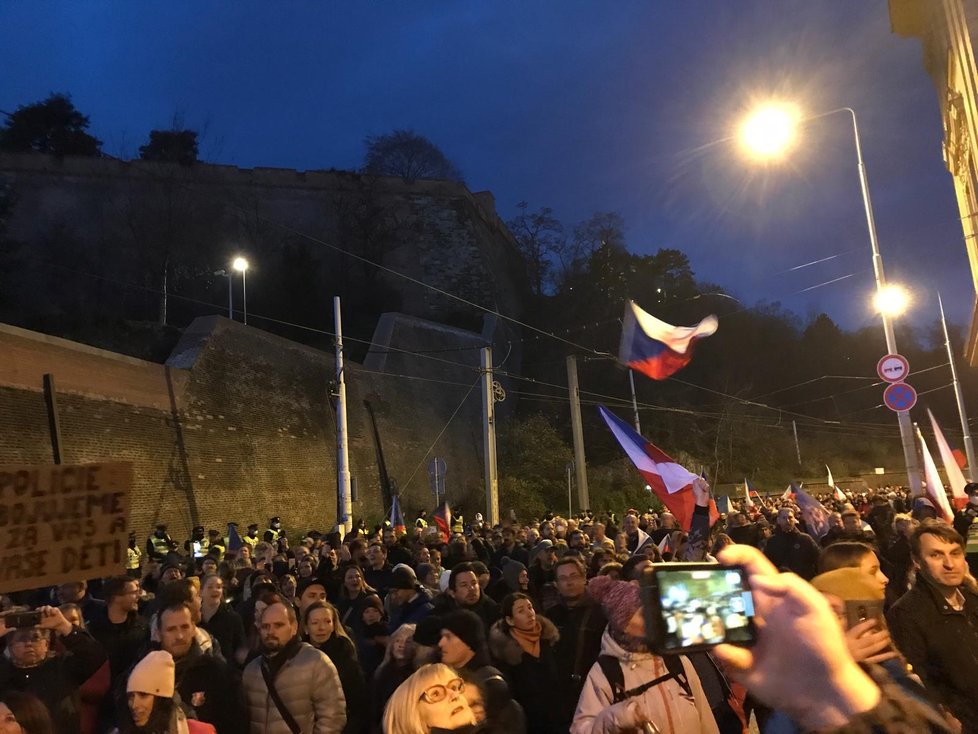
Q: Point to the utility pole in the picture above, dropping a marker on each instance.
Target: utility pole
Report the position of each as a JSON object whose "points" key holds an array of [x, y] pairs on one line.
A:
{"points": [[343, 499], [968, 445], [578, 430], [631, 381], [794, 427], [489, 438], [570, 504]]}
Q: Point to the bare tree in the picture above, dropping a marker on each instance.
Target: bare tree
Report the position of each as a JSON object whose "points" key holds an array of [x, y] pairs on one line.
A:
{"points": [[406, 154]]}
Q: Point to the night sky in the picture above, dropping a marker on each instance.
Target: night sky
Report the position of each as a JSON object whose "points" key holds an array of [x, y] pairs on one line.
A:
{"points": [[579, 106]]}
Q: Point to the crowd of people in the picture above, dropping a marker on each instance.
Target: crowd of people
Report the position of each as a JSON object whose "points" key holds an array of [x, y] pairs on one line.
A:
{"points": [[867, 622]]}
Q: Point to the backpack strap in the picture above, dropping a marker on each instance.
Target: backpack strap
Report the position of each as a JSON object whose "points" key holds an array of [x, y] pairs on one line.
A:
{"points": [[613, 673], [283, 710]]}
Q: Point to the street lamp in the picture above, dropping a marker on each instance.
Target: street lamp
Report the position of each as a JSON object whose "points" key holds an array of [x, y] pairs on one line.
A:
{"points": [[891, 299], [241, 265], [766, 134], [227, 274]]}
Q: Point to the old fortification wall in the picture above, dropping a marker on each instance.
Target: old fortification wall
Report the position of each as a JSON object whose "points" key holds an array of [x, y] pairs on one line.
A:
{"points": [[237, 425]]}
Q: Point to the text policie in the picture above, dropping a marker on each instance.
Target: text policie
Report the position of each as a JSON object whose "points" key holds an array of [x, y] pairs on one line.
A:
{"points": [[62, 523]]}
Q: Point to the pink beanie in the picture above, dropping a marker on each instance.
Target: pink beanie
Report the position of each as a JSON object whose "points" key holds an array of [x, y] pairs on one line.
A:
{"points": [[619, 599], [153, 674]]}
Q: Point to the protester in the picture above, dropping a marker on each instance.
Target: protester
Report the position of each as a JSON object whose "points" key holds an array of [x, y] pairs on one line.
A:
{"points": [[430, 700], [409, 601], [397, 666], [34, 664], [935, 624], [119, 628], [151, 706], [221, 621], [789, 549], [464, 592], [322, 629], [22, 713], [291, 686], [522, 643]]}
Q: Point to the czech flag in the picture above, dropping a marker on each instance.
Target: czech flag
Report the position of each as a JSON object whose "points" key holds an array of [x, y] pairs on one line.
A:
{"points": [[670, 482], [397, 517], [656, 348], [935, 486], [955, 478], [813, 512], [442, 517]]}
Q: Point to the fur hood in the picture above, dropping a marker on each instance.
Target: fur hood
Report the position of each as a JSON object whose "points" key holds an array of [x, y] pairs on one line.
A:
{"points": [[507, 650]]}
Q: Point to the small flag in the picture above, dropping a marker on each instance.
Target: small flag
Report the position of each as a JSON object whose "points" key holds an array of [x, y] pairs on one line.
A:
{"points": [[234, 538], [442, 517], [815, 515], [789, 492], [935, 487], [831, 481], [951, 467], [397, 517], [748, 502], [840, 495], [671, 483], [655, 348]]}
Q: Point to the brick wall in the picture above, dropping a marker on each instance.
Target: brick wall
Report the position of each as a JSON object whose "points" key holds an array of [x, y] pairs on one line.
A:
{"points": [[238, 426]]}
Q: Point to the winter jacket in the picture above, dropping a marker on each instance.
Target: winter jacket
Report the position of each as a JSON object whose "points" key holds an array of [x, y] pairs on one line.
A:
{"points": [[665, 704], [309, 687], [794, 551], [581, 628], [411, 612], [212, 689], [57, 680], [226, 627], [533, 681], [942, 646], [343, 654]]}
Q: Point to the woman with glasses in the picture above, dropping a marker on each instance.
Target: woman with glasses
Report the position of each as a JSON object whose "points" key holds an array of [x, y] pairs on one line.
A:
{"points": [[432, 700]]}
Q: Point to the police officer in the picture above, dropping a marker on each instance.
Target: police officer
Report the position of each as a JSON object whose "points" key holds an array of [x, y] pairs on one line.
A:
{"points": [[251, 537], [216, 545], [274, 530], [159, 543], [134, 557], [197, 545]]}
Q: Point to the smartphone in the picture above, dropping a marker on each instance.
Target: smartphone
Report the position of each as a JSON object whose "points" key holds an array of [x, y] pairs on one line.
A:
{"points": [[696, 606], [22, 619], [859, 610]]}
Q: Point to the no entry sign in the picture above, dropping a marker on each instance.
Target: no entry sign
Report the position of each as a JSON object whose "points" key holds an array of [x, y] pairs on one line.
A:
{"points": [[900, 397], [893, 368]]}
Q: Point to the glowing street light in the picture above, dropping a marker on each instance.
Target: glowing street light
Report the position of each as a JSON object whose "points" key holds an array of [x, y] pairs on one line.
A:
{"points": [[768, 132], [891, 300], [241, 265]]}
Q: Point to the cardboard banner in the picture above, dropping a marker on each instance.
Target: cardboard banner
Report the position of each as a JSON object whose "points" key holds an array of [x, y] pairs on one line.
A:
{"points": [[62, 523]]}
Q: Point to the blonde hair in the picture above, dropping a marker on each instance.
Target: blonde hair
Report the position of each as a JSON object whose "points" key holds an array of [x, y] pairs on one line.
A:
{"points": [[405, 630], [401, 715], [338, 628]]}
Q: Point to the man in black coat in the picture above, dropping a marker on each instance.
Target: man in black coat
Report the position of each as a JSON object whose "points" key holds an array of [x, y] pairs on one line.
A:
{"points": [[464, 592], [792, 550], [935, 624]]}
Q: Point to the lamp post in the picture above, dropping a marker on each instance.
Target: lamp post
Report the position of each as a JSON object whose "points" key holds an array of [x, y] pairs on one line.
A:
{"points": [[228, 274], [768, 132], [241, 265]]}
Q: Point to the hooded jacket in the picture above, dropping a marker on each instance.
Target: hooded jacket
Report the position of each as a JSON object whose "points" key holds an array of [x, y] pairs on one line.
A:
{"points": [[533, 681], [666, 704]]}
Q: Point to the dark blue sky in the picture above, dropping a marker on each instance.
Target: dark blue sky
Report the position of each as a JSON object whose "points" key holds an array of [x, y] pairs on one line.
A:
{"points": [[580, 106]]}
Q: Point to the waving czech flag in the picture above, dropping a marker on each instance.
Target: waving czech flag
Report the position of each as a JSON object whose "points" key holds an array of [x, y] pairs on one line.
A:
{"points": [[656, 348], [671, 483]]}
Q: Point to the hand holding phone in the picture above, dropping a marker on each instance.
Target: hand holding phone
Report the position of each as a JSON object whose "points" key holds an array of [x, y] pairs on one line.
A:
{"points": [[19, 620]]}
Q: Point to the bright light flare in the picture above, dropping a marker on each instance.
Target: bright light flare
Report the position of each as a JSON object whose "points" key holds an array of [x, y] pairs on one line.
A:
{"points": [[891, 300], [769, 131], [240, 264]]}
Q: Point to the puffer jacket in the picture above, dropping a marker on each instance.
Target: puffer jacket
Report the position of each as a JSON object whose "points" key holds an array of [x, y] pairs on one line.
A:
{"points": [[310, 688], [665, 704]]}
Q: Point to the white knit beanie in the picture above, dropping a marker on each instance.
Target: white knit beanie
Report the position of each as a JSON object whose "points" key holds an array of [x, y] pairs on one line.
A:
{"points": [[153, 674]]}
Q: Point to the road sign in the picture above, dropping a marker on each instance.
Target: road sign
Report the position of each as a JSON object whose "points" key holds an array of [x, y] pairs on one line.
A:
{"points": [[893, 368], [899, 397]]}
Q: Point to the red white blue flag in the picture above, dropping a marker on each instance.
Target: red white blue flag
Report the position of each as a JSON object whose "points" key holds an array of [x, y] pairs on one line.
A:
{"points": [[442, 517], [671, 483], [655, 348]]}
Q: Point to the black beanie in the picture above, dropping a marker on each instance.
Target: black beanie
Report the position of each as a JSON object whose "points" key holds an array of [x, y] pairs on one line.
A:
{"points": [[467, 626]]}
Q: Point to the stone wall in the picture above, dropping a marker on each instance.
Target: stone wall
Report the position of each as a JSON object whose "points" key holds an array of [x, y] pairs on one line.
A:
{"points": [[237, 425]]}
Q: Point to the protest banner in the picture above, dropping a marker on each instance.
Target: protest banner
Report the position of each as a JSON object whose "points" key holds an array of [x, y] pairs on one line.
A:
{"points": [[62, 523]]}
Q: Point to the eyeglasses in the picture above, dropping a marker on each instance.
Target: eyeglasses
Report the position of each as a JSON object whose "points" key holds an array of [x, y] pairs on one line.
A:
{"points": [[28, 639], [438, 693]]}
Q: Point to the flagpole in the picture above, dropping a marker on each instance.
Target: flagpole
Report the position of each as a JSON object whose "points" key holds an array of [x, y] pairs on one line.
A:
{"points": [[631, 381], [345, 505], [968, 445], [577, 430]]}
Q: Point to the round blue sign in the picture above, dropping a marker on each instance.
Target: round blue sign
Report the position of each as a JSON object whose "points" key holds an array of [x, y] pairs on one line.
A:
{"points": [[899, 397]]}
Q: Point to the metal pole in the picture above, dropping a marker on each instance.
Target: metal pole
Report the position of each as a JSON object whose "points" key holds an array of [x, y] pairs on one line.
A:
{"points": [[230, 294], [489, 439], [54, 419], [244, 293], [631, 381], [578, 431], [903, 416], [969, 447], [343, 499], [570, 505], [794, 427]]}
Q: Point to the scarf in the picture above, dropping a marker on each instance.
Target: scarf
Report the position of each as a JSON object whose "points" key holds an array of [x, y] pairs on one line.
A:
{"points": [[275, 663], [529, 640]]}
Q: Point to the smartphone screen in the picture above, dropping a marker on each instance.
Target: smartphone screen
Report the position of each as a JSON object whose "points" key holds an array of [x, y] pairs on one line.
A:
{"points": [[700, 606]]}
